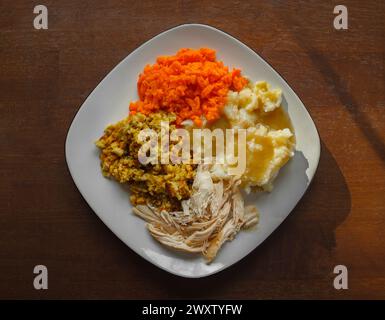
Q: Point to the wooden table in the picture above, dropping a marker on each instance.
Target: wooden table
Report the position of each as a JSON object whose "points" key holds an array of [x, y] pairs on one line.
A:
{"points": [[47, 74]]}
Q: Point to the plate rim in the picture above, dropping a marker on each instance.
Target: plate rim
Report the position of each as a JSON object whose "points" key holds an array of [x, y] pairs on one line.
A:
{"points": [[109, 74]]}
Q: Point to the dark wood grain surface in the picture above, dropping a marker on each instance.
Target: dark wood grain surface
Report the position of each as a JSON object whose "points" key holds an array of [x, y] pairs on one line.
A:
{"points": [[47, 74]]}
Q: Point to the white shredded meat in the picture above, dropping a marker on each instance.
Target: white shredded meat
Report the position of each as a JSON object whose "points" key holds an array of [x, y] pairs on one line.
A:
{"points": [[214, 214]]}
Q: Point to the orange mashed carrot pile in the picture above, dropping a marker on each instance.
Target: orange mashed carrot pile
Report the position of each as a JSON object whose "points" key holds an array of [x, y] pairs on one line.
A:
{"points": [[192, 84]]}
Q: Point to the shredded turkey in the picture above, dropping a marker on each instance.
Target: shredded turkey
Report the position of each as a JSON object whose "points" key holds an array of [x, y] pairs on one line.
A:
{"points": [[213, 214]]}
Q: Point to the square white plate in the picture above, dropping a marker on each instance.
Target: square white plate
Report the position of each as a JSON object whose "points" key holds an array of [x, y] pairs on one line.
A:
{"points": [[109, 102]]}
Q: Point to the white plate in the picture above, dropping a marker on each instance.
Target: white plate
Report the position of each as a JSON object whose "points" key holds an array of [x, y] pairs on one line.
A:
{"points": [[108, 103]]}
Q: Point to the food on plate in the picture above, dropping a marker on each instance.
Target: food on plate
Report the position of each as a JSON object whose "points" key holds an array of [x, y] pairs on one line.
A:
{"points": [[192, 84], [164, 185], [214, 214], [270, 136], [188, 205]]}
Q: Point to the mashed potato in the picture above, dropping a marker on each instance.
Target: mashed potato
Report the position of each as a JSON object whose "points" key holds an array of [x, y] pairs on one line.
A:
{"points": [[267, 150], [270, 137]]}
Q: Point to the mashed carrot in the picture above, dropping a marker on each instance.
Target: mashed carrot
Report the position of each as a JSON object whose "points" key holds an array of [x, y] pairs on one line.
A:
{"points": [[192, 84]]}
